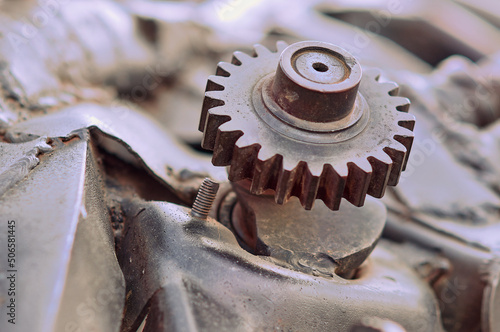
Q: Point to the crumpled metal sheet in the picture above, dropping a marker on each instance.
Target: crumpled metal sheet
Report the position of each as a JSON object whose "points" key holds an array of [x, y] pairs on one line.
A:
{"points": [[136, 138], [18, 160], [65, 261]]}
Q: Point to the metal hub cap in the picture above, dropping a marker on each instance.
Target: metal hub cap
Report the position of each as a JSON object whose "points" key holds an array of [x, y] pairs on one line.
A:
{"points": [[316, 81]]}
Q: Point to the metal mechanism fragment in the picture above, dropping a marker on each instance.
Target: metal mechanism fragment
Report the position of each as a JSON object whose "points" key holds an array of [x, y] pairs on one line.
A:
{"points": [[303, 122], [205, 198]]}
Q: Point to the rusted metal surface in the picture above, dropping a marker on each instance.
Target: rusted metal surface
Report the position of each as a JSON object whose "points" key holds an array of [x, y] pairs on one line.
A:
{"points": [[262, 139], [213, 284], [323, 247], [316, 82]]}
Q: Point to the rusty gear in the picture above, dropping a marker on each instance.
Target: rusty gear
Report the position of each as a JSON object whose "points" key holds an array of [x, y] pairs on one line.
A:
{"points": [[304, 129]]}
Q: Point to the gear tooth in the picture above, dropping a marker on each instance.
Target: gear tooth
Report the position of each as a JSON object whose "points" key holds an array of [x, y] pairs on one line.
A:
{"points": [[280, 46], [357, 184], [401, 104], [331, 187], [210, 127], [408, 124], [225, 69], [243, 162], [240, 58], [216, 95], [397, 152], [223, 110], [282, 186], [403, 132], [216, 83], [396, 145], [212, 100], [404, 108], [390, 88], [219, 112], [407, 141], [381, 169], [290, 183], [208, 104], [260, 50], [224, 146], [266, 174], [310, 187], [382, 157], [406, 120]]}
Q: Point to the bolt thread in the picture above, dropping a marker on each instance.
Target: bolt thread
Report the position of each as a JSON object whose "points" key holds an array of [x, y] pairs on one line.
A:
{"points": [[204, 199]]}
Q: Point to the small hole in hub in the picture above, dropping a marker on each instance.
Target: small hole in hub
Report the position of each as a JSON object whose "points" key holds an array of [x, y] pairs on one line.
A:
{"points": [[321, 67]]}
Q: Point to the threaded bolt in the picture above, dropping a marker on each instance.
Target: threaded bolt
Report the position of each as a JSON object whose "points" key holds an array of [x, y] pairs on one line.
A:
{"points": [[204, 199]]}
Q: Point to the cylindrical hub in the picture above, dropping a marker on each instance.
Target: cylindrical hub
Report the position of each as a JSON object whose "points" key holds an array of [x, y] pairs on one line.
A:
{"points": [[316, 82]]}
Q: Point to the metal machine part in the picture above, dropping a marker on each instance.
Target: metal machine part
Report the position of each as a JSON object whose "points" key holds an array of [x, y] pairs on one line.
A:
{"points": [[294, 124], [204, 199], [72, 256], [330, 242], [212, 284], [293, 121]]}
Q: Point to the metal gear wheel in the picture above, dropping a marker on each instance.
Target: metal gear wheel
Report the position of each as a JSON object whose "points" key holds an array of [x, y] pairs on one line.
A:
{"points": [[304, 122]]}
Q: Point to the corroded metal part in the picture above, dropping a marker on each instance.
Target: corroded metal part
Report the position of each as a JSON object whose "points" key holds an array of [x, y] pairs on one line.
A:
{"points": [[316, 82], [330, 242], [190, 275], [68, 277], [297, 158]]}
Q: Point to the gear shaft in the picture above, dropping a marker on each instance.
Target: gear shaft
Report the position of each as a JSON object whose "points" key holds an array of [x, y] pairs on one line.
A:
{"points": [[316, 84], [305, 121]]}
